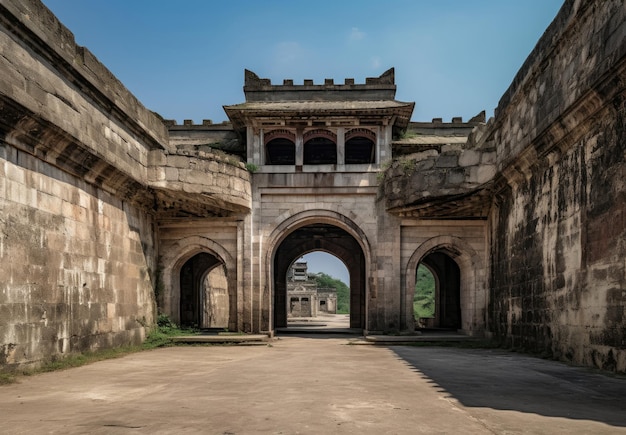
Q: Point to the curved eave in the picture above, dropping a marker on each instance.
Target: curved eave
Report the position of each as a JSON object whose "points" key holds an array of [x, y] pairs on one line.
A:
{"points": [[241, 115]]}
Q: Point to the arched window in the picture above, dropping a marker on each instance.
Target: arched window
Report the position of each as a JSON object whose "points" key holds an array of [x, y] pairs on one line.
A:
{"points": [[360, 146], [320, 147], [359, 150], [320, 151], [280, 151]]}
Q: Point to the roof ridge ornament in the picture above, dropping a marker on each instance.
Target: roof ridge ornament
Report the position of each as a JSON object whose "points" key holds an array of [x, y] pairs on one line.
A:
{"points": [[386, 78]]}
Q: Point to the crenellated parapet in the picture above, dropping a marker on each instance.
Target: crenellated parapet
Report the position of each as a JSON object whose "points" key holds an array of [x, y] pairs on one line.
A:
{"points": [[375, 88]]}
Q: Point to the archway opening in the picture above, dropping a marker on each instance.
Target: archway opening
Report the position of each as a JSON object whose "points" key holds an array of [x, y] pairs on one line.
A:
{"points": [[318, 292], [204, 297], [437, 297], [311, 238], [425, 295]]}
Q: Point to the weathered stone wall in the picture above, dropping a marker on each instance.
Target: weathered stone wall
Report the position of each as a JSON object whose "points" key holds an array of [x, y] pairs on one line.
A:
{"points": [[441, 170], [77, 231], [75, 264], [87, 174], [558, 277]]}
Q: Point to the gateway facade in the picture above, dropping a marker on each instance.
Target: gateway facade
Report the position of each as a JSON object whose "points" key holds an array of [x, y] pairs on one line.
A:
{"points": [[110, 215]]}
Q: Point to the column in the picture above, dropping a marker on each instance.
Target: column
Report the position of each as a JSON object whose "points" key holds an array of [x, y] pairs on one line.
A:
{"points": [[299, 147], [341, 146]]}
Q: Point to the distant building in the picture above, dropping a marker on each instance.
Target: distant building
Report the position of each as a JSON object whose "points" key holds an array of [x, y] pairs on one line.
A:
{"points": [[305, 298]]}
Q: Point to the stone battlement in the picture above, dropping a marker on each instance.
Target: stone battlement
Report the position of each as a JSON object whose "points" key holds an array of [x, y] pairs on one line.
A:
{"points": [[190, 123], [374, 88]]}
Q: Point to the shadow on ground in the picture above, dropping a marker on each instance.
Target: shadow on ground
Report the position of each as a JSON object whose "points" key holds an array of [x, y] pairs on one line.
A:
{"points": [[508, 381]]}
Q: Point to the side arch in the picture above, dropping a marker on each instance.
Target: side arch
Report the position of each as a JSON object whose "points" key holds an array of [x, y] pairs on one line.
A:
{"points": [[172, 262], [473, 295]]}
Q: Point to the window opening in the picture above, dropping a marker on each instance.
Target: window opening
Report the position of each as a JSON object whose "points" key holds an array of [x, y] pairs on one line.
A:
{"points": [[359, 150], [320, 151], [280, 151]]}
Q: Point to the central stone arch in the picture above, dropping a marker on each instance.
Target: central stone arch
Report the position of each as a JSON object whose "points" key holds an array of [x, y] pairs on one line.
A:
{"points": [[318, 230]]}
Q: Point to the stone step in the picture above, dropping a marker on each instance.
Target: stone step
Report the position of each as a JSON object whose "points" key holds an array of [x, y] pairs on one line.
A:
{"points": [[223, 338]]}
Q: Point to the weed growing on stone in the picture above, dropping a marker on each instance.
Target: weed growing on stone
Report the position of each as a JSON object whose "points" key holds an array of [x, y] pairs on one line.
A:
{"points": [[407, 165]]}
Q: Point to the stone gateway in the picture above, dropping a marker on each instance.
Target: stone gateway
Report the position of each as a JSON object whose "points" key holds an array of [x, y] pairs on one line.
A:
{"points": [[110, 215]]}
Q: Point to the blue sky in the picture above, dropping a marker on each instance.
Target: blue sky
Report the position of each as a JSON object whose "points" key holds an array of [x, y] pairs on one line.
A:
{"points": [[185, 59]]}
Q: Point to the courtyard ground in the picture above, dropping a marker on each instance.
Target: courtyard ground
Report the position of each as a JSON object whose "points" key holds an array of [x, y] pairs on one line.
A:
{"points": [[317, 384]]}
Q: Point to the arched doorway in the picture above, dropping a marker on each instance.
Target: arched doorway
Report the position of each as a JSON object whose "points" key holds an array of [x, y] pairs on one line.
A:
{"points": [[446, 291], [320, 237], [204, 298], [318, 293], [461, 270]]}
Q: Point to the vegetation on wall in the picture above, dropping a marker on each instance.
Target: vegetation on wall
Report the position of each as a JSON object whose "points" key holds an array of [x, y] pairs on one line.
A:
{"points": [[424, 296], [343, 291]]}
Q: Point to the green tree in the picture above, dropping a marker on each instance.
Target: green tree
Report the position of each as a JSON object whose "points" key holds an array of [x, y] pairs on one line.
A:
{"points": [[343, 291], [424, 296]]}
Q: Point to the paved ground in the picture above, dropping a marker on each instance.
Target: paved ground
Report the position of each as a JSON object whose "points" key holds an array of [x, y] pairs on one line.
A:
{"points": [[320, 385]]}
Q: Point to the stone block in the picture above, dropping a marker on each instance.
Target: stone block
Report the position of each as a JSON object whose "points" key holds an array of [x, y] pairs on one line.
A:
{"points": [[452, 148], [486, 173], [447, 161], [221, 181], [156, 173], [488, 157], [469, 158], [167, 173], [456, 176], [15, 173], [195, 177], [178, 161]]}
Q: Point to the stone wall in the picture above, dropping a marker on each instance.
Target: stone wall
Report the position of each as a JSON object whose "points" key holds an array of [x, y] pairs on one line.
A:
{"points": [[75, 264], [78, 241], [558, 277]]}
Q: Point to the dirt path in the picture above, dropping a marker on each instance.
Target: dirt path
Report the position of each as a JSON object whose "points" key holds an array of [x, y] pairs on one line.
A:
{"points": [[296, 385]]}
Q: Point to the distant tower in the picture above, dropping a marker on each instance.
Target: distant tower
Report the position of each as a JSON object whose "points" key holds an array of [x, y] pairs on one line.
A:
{"points": [[304, 298]]}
